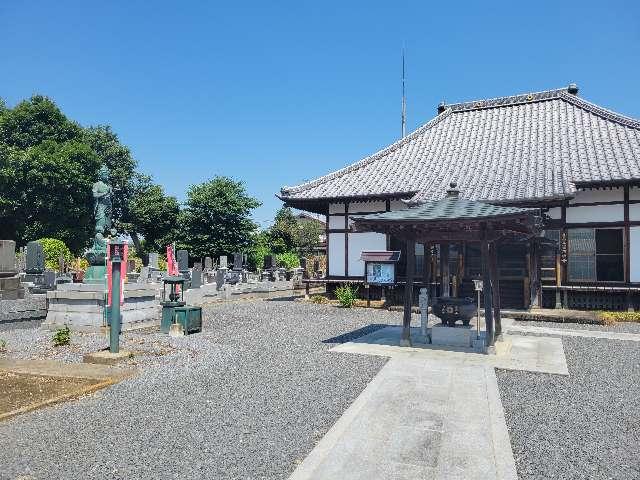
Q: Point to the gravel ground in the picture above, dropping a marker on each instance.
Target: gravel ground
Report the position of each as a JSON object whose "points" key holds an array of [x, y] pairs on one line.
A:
{"points": [[622, 327], [584, 426], [246, 399]]}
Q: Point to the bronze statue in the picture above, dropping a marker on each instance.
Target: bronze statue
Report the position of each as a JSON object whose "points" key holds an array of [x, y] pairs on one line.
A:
{"points": [[102, 212]]}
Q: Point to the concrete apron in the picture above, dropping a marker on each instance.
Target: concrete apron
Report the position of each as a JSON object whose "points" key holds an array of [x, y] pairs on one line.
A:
{"points": [[428, 413]]}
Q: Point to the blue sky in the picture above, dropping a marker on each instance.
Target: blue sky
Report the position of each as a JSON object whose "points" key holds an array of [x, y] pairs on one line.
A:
{"points": [[274, 93]]}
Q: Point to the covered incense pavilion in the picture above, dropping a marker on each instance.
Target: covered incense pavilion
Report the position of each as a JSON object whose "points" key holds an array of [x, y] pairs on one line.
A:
{"points": [[454, 219]]}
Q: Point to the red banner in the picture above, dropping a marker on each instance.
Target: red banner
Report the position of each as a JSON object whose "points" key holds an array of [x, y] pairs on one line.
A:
{"points": [[172, 265], [123, 274]]}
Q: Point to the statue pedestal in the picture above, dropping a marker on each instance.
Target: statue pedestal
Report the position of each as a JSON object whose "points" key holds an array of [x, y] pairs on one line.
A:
{"points": [[81, 307], [96, 275]]}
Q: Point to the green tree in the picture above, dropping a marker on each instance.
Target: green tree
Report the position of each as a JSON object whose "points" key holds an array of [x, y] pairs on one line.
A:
{"points": [[308, 237], [33, 121], [154, 215], [47, 192], [216, 218], [284, 231]]}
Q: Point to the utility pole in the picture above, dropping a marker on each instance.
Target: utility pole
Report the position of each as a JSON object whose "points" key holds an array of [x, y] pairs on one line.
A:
{"points": [[404, 101]]}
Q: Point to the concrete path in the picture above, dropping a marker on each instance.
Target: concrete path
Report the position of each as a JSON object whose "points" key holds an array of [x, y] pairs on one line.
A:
{"points": [[418, 418], [510, 327], [428, 414]]}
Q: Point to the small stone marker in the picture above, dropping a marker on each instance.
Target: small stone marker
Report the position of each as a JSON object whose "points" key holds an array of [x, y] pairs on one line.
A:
{"points": [[144, 275], [183, 260], [35, 258], [423, 302], [208, 264], [49, 279], [153, 260], [223, 261], [131, 266]]}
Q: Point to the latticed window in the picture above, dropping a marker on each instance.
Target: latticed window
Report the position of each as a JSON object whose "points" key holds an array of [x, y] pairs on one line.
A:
{"points": [[596, 254]]}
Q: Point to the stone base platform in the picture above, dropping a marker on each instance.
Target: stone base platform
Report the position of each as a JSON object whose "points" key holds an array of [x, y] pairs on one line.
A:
{"points": [[10, 287], [81, 307], [458, 336]]}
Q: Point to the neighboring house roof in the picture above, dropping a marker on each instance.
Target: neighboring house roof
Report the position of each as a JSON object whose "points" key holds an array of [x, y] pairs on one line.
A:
{"points": [[524, 148]]}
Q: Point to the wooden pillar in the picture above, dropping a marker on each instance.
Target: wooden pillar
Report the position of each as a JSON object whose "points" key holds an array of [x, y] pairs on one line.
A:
{"points": [[495, 287], [534, 275], [444, 270], [558, 280], [405, 339], [488, 294]]}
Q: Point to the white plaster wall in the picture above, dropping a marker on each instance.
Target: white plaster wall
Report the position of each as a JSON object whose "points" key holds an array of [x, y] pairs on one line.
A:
{"points": [[592, 196], [634, 193], [398, 205], [359, 242], [336, 222], [365, 207], [634, 212], [336, 254], [336, 208], [634, 253], [596, 213], [555, 213]]}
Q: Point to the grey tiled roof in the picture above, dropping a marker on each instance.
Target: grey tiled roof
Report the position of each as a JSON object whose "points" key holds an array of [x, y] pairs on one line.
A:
{"points": [[537, 146], [448, 208]]}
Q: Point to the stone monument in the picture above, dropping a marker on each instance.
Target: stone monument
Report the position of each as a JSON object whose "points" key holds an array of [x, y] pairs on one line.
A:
{"points": [[82, 306]]}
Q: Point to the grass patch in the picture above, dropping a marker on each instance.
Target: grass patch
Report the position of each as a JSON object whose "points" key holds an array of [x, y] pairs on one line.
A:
{"points": [[319, 299], [611, 318]]}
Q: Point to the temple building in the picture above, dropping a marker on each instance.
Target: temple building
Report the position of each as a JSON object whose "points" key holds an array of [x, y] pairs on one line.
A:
{"points": [[577, 162]]}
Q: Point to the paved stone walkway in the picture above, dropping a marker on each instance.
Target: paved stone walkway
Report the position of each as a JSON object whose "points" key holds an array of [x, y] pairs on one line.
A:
{"points": [[428, 414], [510, 327]]}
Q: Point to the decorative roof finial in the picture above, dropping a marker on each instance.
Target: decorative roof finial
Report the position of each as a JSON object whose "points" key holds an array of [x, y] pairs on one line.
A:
{"points": [[441, 107], [453, 192], [573, 89]]}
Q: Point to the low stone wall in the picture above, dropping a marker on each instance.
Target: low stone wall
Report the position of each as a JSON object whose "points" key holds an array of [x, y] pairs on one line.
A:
{"points": [[81, 306], [208, 293], [32, 307]]}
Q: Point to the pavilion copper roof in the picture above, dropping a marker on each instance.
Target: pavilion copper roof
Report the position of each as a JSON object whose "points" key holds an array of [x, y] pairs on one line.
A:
{"points": [[532, 147]]}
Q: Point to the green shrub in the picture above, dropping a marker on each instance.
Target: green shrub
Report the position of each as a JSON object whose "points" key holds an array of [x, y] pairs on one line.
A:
{"points": [[288, 260], [162, 264], [346, 295], [53, 249], [62, 336], [319, 299]]}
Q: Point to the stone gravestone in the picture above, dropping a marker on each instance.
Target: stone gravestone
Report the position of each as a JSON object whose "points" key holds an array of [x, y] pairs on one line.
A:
{"points": [[153, 260], [220, 276], [223, 261], [35, 258], [269, 262], [237, 261], [131, 266], [208, 264], [196, 276], [182, 256], [7, 256]]}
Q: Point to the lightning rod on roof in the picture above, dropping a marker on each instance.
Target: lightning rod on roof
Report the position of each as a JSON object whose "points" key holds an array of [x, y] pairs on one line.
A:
{"points": [[404, 100]]}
